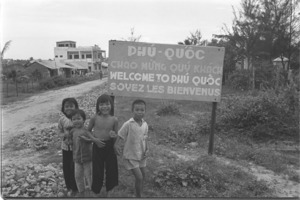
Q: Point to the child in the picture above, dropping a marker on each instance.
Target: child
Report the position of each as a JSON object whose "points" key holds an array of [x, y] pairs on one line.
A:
{"points": [[134, 133], [64, 127], [82, 153], [105, 127]]}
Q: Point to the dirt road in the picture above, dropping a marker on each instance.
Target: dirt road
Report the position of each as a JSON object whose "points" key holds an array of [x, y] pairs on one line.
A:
{"points": [[35, 111]]}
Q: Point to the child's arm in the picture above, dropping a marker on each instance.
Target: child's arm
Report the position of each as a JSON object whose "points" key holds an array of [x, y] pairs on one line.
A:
{"points": [[97, 141], [146, 143], [117, 145], [122, 135], [85, 137], [146, 150], [91, 125], [114, 133], [63, 135]]}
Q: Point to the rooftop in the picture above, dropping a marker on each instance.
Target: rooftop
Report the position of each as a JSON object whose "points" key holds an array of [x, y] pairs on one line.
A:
{"points": [[65, 41]]}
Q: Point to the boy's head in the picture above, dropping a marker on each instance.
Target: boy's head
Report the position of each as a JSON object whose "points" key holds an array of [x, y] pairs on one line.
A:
{"points": [[68, 105], [78, 118], [138, 109], [104, 105]]}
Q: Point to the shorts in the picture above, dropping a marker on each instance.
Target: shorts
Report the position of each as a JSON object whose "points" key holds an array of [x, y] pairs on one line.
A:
{"points": [[132, 164]]}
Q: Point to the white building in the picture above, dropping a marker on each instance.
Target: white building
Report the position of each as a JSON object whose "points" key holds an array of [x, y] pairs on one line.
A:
{"points": [[68, 52]]}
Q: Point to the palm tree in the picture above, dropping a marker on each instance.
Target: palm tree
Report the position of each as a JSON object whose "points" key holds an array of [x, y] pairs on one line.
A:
{"points": [[5, 48]]}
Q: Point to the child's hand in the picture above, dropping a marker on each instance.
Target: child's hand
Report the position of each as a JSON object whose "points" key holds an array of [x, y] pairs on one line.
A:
{"points": [[82, 137], [69, 128], [146, 154], [66, 135], [113, 134], [99, 143], [118, 150]]}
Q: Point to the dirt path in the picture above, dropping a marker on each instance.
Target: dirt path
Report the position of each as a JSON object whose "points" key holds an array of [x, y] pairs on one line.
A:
{"points": [[280, 184], [34, 112]]}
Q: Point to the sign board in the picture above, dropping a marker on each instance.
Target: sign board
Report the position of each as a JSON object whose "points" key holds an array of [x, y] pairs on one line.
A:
{"points": [[164, 71]]}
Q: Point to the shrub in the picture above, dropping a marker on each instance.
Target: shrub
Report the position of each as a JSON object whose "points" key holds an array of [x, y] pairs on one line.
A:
{"points": [[240, 80], [72, 81], [265, 77], [206, 177], [182, 134], [270, 113], [46, 84], [169, 108], [60, 81]]}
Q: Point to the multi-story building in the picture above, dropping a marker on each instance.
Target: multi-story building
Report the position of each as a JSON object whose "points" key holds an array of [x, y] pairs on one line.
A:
{"points": [[67, 51]]}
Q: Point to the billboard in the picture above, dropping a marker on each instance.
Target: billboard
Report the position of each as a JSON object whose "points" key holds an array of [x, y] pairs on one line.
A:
{"points": [[164, 71]]}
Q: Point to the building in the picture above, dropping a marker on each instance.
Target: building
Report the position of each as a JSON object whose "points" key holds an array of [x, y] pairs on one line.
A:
{"points": [[68, 52], [281, 63], [48, 68]]}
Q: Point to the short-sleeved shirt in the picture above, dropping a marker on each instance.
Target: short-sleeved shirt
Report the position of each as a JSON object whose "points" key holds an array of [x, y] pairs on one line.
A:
{"points": [[135, 139], [63, 124]]}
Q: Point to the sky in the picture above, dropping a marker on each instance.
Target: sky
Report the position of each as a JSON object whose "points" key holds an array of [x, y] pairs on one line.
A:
{"points": [[34, 26]]}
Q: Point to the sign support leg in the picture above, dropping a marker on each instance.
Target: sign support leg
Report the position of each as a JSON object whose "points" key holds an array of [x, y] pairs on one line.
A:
{"points": [[112, 112], [212, 128]]}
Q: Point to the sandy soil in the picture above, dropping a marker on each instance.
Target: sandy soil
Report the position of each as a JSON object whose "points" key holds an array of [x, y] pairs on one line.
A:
{"points": [[34, 112]]}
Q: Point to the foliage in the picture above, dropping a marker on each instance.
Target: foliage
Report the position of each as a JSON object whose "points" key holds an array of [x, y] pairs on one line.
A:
{"points": [[5, 48], [239, 79], [187, 178], [60, 81], [132, 37], [210, 179], [230, 57], [181, 134], [168, 108], [194, 39], [264, 30], [265, 77], [269, 114]]}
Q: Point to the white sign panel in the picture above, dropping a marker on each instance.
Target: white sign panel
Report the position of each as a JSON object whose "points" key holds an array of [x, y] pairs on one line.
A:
{"points": [[164, 71]]}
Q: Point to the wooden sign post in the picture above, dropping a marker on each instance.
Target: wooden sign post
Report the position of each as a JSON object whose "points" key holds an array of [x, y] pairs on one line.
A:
{"points": [[212, 128]]}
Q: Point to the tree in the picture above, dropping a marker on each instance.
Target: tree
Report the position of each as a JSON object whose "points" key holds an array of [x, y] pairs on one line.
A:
{"points": [[132, 37], [5, 48], [194, 39], [264, 29], [230, 57]]}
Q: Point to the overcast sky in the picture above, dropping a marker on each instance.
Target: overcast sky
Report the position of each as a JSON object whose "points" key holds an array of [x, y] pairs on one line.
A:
{"points": [[34, 26]]}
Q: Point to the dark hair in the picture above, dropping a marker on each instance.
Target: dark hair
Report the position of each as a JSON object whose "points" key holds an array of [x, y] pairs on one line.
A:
{"points": [[69, 100], [104, 98], [79, 112], [137, 101]]}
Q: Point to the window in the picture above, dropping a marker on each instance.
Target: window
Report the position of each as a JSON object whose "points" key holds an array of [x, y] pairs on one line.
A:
{"points": [[61, 56], [82, 56], [88, 55], [76, 56], [69, 56], [67, 45], [56, 56]]}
